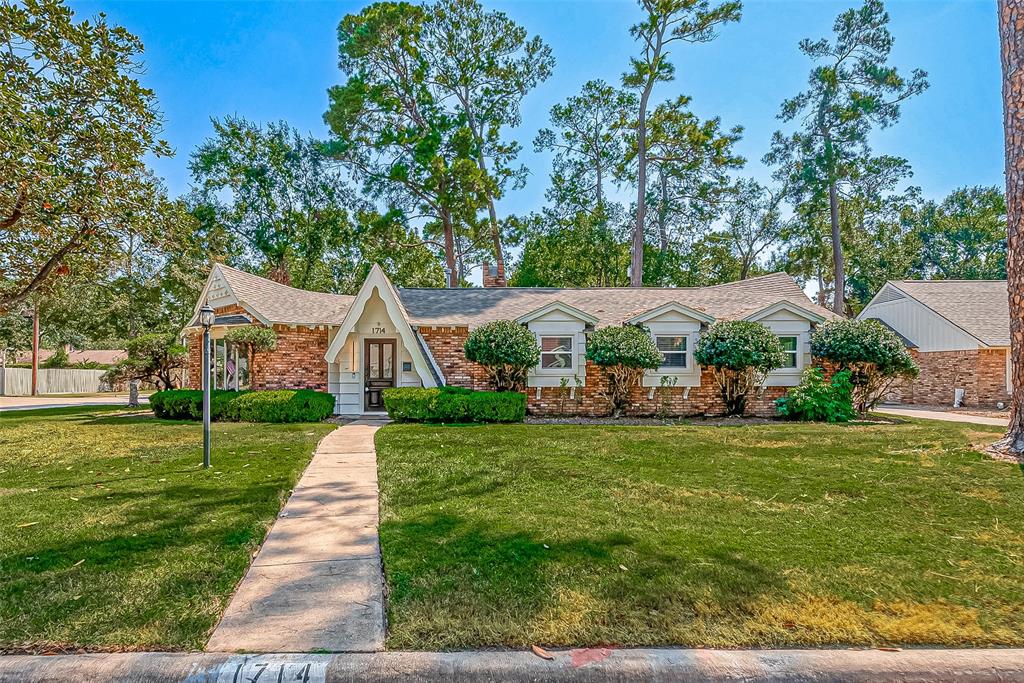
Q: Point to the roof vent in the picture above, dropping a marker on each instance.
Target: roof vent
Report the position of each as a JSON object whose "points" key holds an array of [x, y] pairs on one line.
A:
{"points": [[889, 294]]}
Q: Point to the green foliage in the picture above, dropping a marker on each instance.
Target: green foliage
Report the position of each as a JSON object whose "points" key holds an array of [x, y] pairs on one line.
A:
{"points": [[739, 345], [851, 90], [506, 349], [964, 237], [588, 146], [875, 356], [740, 353], [577, 250], [279, 196], [284, 405], [623, 353], [390, 126], [253, 337], [453, 405], [151, 357], [57, 359], [816, 399], [630, 346], [78, 127]]}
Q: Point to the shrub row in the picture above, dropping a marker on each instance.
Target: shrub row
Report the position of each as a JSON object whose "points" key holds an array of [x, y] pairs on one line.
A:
{"points": [[284, 405], [453, 405]]}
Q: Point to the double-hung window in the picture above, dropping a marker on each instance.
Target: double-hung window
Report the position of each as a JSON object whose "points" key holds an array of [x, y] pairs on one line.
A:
{"points": [[673, 350], [556, 353], [789, 347]]}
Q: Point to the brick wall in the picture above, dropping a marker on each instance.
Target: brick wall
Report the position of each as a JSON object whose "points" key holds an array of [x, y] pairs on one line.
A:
{"points": [[446, 343], [297, 362], [980, 372]]}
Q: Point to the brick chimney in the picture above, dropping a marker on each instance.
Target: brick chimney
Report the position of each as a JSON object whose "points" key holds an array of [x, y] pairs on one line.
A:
{"points": [[494, 276]]}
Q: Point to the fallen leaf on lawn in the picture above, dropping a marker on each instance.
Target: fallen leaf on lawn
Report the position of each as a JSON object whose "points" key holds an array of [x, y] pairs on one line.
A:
{"points": [[541, 652], [547, 546], [73, 498], [891, 649], [623, 568], [127, 469], [77, 563], [22, 526], [77, 597], [163, 480]]}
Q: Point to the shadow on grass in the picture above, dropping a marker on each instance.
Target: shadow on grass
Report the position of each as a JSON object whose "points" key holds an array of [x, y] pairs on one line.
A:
{"points": [[495, 586]]}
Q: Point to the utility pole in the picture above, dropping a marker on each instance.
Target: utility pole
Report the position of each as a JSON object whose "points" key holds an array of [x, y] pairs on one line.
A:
{"points": [[35, 349]]}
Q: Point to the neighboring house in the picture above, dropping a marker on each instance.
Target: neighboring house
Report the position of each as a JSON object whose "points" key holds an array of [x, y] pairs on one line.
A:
{"points": [[356, 346], [101, 356], [959, 334]]}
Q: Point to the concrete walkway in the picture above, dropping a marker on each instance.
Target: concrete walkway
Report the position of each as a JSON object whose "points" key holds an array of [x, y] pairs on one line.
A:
{"points": [[316, 584], [593, 665], [44, 401], [945, 416]]}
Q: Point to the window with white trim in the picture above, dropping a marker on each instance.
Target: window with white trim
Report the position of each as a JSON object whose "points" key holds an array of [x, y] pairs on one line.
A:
{"points": [[556, 352], [790, 344], [673, 350]]}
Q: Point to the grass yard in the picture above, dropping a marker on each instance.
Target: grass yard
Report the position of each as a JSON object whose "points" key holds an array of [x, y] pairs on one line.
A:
{"points": [[113, 536], [757, 535]]}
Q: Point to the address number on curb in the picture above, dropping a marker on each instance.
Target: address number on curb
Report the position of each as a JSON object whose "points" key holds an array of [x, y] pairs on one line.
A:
{"points": [[256, 671]]}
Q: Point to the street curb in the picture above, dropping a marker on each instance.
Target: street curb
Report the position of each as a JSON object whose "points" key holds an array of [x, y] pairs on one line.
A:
{"points": [[589, 665]]}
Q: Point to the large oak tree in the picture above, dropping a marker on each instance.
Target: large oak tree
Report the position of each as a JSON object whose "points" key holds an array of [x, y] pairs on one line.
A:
{"points": [[75, 127]]}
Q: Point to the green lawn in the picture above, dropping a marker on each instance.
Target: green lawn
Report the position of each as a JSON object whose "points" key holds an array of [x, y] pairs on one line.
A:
{"points": [[757, 535], [113, 536]]}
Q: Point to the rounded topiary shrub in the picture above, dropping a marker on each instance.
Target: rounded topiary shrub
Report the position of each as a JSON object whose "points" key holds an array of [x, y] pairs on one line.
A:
{"points": [[507, 350], [741, 354], [875, 356], [623, 353]]}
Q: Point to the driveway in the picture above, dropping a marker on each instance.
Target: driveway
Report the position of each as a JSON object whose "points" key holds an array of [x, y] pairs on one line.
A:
{"points": [[946, 416], [59, 401]]}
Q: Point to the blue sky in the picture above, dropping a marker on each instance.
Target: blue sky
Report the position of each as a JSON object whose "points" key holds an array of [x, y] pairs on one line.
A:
{"points": [[275, 60]]}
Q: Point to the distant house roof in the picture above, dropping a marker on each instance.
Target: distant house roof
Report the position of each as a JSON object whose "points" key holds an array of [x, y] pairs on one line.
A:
{"points": [[275, 303], [978, 307], [102, 356]]}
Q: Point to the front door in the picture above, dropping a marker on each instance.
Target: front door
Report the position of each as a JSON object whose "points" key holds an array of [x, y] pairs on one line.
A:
{"points": [[378, 371]]}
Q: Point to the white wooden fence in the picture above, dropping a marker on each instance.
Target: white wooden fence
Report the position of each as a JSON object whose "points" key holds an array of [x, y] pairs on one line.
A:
{"points": [[18, 381]]}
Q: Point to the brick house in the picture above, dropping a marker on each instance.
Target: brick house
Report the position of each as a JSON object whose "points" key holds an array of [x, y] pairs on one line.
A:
{"points": [[958, 332], [355, 346]]}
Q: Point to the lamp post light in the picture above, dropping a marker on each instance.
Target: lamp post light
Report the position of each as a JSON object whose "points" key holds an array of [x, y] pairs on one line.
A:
{"points": [[206, 320]]}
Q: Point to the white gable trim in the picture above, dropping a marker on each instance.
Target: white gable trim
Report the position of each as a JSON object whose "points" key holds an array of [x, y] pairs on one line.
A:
{"points": [[670, 307], [789, 308], [378, 281], [217, 277], [557, 306]]}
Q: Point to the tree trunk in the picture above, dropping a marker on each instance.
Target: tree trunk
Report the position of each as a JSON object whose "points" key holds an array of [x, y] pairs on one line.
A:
{"points": [[663, 213], [279, 272], [133, 393], [636, 261], [449, 249], [839, 294], [1011, 33]]}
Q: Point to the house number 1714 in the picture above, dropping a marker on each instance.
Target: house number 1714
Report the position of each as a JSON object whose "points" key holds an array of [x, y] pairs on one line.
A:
{"points": [[379, 330]]}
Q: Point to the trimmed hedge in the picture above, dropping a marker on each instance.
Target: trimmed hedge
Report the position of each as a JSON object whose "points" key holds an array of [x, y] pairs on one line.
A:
{"points": [[286, 405], [454, 405]]}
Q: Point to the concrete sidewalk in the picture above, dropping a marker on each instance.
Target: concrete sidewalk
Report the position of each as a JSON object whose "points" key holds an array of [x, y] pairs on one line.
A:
{"points": [[316, 584], [38, 402], [591, 665], [945, 416]]}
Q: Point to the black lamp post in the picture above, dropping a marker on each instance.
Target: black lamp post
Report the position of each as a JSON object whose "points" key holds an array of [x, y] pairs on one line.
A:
{"points": [[206, 320]]}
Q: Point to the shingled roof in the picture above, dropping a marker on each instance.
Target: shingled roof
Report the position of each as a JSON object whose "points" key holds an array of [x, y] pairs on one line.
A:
{"points": [[610, 305], [285, 305], [281, 304], [978, 307]]}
